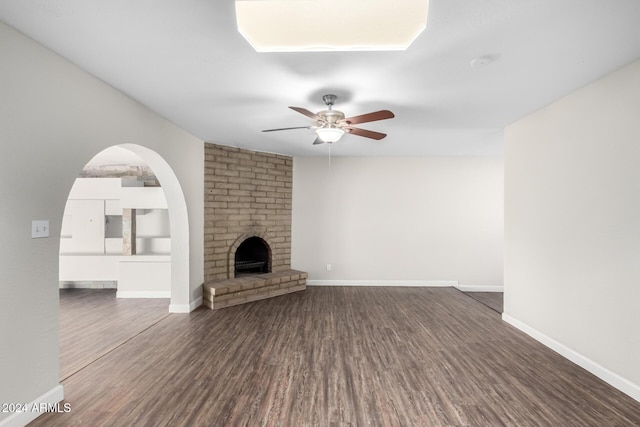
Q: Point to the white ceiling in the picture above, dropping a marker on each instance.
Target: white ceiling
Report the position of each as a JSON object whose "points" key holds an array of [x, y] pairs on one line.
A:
{"points": [[186, 61]]}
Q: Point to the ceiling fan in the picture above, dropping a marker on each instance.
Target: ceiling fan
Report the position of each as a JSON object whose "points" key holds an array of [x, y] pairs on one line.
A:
{"points": [[331, 124]]}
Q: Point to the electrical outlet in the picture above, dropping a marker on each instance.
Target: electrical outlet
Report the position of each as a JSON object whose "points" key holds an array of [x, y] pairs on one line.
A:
{"points": [[39, 229], [328, 267]]}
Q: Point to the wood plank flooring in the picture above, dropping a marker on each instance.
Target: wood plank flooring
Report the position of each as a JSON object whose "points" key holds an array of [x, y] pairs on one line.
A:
{"points": [[93, 322], [336, 357]]}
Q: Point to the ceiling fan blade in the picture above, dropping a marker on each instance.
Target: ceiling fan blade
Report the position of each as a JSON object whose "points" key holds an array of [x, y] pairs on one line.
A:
{"points": [[295, 127], [363, 132], [318, 141], [305, 112], [370, 117]]}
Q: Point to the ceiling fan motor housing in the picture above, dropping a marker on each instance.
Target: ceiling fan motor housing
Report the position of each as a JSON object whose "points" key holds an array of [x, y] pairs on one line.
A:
{"points": [[330, 117]]}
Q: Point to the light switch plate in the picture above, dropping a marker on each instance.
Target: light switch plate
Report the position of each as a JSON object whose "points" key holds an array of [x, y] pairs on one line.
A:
{"points": [[39, 229]]}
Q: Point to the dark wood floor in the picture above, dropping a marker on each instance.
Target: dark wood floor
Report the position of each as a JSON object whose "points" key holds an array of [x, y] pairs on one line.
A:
{"points": [[340, 356], [93, 322]]}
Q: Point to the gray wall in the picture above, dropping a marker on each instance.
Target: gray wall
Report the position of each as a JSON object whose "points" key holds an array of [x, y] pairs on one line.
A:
{"points": [[398, 220], [54, 118], [572, 226]]}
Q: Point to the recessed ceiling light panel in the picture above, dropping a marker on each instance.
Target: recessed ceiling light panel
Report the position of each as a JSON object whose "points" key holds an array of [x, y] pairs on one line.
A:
{"points": [[330, 25]]}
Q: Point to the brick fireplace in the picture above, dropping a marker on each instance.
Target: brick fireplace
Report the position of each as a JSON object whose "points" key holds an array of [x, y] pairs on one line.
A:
{"points": [[247, 199]]}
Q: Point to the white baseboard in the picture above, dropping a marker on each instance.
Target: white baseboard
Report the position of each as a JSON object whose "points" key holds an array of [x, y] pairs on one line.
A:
{"points": [[180, 308], [20, 419], [621, 383], [143, 294], [185, 308], [195, 304], [397, 283], [480, 288]]}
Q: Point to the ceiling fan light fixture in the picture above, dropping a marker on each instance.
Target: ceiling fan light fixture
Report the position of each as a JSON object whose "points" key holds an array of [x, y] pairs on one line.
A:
{"points": [[329, 134]]}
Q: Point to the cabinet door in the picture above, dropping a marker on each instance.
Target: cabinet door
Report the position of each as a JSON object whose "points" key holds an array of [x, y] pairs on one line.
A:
{"points": [[87, 226]]}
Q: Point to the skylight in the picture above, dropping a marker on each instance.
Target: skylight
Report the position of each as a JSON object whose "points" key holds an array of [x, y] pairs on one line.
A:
{"points": [[330, 25]]}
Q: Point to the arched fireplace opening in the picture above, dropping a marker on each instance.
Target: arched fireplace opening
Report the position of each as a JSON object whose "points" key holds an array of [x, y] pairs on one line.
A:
{"points": [[253, 256]]}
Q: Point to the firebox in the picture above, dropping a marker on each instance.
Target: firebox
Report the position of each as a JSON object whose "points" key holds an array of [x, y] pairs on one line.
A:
{"points": [[253, 256]]}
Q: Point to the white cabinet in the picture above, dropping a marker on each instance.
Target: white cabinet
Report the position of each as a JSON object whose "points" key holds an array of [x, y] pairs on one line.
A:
{"points": [[146, 277], [91, 236], [86, 228]]}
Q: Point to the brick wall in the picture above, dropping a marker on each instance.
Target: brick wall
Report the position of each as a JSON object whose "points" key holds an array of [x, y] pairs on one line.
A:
{"points": [[246, 194]]}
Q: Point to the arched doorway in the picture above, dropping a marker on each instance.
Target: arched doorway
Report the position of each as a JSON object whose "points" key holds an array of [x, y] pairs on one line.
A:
{"points": [[125, 229], [177, 259], [179, 226]]}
